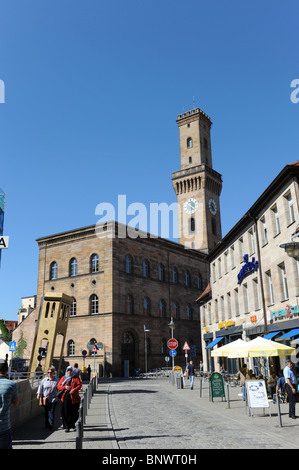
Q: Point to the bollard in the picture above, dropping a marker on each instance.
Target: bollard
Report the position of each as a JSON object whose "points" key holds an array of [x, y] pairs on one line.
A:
{"points": [[200, 387], [278, 409], [79, 434], [227, 394]]}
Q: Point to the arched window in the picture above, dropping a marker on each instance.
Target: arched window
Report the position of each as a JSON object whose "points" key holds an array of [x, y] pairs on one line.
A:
{"points": [[161, 272], [94, 263], [129, 304], [53, 270], [164, 346], [199, 281], [145, 268], [187, 279], [175, 310], [128, 264], [192, 224], [146, 307], [189, 312], [94, 304], [71, 348], [162, 308], [189, 143], [73, 267], [73, 310], [175, 277]]}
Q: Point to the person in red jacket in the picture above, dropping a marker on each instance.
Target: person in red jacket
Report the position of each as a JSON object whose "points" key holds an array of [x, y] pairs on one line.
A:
{"points": [[70, 384]]}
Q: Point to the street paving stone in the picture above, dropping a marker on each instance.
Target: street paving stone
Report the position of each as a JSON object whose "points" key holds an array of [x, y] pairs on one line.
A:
{"points": [[153, 414]]}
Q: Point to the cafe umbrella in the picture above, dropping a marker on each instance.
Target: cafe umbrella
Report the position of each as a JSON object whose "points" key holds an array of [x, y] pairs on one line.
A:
{"points": [[259, 347], [227, 349]]}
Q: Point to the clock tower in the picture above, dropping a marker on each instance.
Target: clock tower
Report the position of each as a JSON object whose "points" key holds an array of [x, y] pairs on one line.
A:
{"points": [[196, 184]]}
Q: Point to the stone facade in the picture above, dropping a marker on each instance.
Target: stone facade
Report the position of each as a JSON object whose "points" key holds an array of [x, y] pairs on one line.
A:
{"points": [[237, 306], [121, 283]]}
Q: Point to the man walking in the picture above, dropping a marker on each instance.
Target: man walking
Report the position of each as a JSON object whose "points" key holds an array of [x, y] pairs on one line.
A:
{"points": [[290, 379], [191, 373], [8, 395]]}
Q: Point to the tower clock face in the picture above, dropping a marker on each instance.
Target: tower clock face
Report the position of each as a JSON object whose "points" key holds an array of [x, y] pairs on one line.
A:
{"points": [[212, 206], [190, 206]]}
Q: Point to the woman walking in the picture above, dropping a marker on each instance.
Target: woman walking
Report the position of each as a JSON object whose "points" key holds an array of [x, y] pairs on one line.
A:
{"points": [[70, 384], [47, 394]]}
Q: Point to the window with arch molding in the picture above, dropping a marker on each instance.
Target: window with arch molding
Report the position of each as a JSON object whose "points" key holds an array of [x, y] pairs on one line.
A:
{"points": [[94, 263], [73, 267], [189, 143], [71, 348], [93, 304], [53, 270]]}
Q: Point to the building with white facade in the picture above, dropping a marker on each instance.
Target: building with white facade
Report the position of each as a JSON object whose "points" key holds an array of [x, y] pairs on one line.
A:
{"points": [[254, 282]]}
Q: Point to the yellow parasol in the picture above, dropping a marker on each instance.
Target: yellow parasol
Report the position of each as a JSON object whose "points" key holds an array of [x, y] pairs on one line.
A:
{"points": [[230, 348], [259, 347]]}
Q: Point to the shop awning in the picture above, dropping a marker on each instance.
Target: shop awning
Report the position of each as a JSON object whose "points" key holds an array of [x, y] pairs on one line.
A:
{"points": [[271, 335], [290, 334], [215, 342]]}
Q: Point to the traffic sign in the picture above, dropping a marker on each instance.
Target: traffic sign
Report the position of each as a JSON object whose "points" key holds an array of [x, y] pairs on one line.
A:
{"points": [[94, 349], [172, 353], [177, 369], [4, 241], [186, 346], [12, 346], [99, 345], [172, 343]]}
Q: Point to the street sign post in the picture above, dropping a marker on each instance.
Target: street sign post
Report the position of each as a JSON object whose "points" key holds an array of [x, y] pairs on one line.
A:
{"points": [[172, 343]]}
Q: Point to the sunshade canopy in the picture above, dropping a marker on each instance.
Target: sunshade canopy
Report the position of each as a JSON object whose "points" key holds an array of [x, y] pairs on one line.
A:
{"points": [[228, 349], [216, 340], [258, 347]]}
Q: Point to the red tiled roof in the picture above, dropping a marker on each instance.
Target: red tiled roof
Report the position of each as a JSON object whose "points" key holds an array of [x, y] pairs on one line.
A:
{"points": [[206, 291]]}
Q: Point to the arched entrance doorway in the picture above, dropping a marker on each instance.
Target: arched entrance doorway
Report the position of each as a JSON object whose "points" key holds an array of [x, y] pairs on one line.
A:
{"points": [[128, 353]]}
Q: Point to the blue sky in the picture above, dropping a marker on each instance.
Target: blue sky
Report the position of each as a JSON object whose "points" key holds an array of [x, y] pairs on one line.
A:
{"points": [[92, 93]]}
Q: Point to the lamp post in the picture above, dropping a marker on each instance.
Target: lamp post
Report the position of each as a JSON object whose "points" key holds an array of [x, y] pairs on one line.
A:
{"points": [[145, 346], [172, 327], [292, 248]]}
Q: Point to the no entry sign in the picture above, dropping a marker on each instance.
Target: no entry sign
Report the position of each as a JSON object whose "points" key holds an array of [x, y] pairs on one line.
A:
{"points": [[172, 343]]}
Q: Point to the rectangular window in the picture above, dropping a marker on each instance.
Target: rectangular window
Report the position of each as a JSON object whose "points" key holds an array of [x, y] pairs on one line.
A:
{"points": [[276, 224], [270, 288], [229, 306], [256, 293], [237, 305], [241, 249], [251, 241], [222, 308], [246, 298], [291, 216], [233, 259], [219, 267], [226, 262], [264, 231], [284, 282]]}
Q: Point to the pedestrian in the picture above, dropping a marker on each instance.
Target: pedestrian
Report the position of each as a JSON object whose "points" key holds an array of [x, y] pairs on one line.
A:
{"points": [[201, 367], [70, 384], [241, 374], [291, 382], [76, 371], [47, 396], [191, 373], [89, 372], [271, 384], [8, 395]]}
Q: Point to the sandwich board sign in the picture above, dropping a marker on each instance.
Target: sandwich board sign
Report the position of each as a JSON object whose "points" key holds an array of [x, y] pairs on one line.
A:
{"points": [[216, 386], [256, 394]]}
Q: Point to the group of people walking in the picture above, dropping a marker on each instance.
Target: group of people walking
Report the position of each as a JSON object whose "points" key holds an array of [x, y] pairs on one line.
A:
{"points": [[66, 390]]}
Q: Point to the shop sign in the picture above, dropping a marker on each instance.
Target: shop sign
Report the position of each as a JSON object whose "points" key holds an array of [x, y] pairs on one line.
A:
{"points": [[249, 267], [287, 312], [253, 318], [225, 324], [216, 386]]}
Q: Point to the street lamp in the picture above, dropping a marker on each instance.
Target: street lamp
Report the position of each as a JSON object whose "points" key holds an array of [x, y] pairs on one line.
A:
{"points": [[292, 248], [145, 346], [172, 327]]}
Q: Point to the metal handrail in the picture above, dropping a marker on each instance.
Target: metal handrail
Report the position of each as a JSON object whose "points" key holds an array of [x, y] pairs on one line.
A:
{"points": [[83, 410]]}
